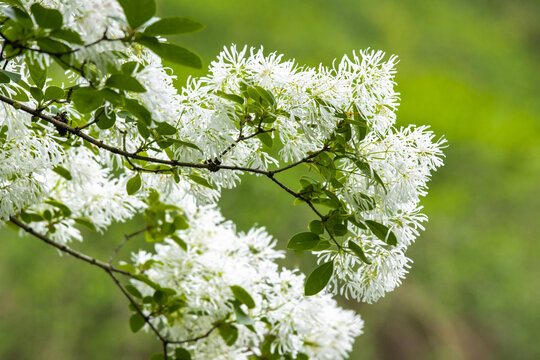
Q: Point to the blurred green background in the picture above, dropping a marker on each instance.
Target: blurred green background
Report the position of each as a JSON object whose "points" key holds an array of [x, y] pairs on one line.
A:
{"points": [[470, 70]]}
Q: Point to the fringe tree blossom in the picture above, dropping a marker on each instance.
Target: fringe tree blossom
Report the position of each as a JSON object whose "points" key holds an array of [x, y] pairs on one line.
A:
{"points": [[114, 138]]}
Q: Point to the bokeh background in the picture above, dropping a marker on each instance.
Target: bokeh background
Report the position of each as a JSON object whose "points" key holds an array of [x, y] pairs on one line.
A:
{"points": [[470, 69]]}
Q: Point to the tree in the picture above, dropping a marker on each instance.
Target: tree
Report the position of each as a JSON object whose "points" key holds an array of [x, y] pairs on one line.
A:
{"points": [[111, 138]]}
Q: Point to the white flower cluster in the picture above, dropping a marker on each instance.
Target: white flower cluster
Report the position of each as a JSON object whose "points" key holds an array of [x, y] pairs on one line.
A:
{"points": [[24, 159], [217, 258], [308, 107], [402, 158]]}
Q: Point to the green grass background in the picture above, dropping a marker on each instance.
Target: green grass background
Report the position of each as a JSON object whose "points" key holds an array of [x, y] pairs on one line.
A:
{"points": [[467, 68]]}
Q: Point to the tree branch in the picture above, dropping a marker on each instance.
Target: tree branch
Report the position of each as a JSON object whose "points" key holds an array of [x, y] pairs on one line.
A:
{"points": [[105, 266]]}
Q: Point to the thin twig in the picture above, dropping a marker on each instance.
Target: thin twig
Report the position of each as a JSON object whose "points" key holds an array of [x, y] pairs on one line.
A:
{"points": [[126, 239]]}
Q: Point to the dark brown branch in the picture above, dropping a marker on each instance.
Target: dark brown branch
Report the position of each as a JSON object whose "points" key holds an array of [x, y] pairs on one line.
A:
{"points": [[118, 151], [301, 161], [147, 319], [111, 270], [205, 335], [209, 166], [103, 38], [65, 249]]}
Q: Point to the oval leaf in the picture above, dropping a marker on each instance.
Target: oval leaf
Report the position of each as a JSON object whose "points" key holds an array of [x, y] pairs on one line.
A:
{"points": [[54, 92], [243, 296], [229, 333], [382, 232], [358, 251], [136, 322], [171, 52], [182, 354], [201, 181], [86, 99], [318, 279], [316, 227], [11, 75], [125, 82], [63, 172], [133, 184], [134, 291], [173, 25], [47, 18], [106, 121], [303, 241]]}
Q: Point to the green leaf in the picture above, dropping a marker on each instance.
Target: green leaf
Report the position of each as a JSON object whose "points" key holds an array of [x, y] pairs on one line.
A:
{"points": [[358, 251], [353, 220], [318, 279], [180, 242], [266, 139], [382, 232], [136, 322], [201, 181], [267, 95], [125, 82], [4, 79], [145, 279], [139, 111], [86, 99], [242, 317], [303, 241], [158, 356], [14, 3], [138, 11], [67, 35], [63, 172], [36, 93], [20, 94], [86, 222], [37, 74], [129, 67], [134, 291], [112, 96], [321, 245], [180, 222], [18, 15], [316, 227], [15, 77], [339, 229], [231, 97], [52, 46], [229, 333], [133, 184], [173, 25], [164, 128], [45, 17], [128, 267], [31, 217], [243, 296], [65, 210], [54, 92], [182, 354], [186, 144], [106, 120], [362, 126], [171, 52], [47, 214], [368, 171], [160, 297], [142, 127]]}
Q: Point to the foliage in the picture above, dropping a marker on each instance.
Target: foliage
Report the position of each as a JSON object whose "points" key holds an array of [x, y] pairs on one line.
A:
{"points": [[118, 140]]}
